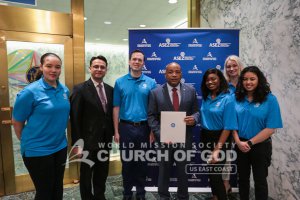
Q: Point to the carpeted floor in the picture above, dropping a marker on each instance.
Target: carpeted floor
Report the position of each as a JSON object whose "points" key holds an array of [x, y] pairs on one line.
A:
{"points": [[113, 192]]}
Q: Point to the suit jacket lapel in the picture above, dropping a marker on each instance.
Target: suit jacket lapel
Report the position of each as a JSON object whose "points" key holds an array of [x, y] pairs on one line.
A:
{"points": [[183, 95], [167, 97]]}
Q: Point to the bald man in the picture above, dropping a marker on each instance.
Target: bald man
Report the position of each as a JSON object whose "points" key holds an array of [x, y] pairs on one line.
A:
{"points": [[173, 96]]}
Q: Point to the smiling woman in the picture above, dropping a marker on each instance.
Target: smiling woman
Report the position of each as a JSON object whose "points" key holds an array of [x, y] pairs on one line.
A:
{"points": [[51, 68], [40, 118], [259, 116], [218, 118]]}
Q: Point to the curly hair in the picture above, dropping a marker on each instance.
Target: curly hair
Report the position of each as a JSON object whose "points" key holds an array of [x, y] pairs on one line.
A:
{"points": [[261, 91], [223, 83]]}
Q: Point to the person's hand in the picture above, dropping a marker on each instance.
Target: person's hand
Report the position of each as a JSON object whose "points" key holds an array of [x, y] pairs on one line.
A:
{"points": [[77, 151], [151, 137], [243, 146], [189, 120], [117, 137], [214, 157]]}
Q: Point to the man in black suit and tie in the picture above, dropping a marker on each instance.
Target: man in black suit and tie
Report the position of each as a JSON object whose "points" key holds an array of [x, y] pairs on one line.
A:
{"points": [[173, 96], [91, 121]]}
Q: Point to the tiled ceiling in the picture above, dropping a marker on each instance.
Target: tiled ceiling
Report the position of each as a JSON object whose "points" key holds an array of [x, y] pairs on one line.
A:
{"points": [[122, 14]]}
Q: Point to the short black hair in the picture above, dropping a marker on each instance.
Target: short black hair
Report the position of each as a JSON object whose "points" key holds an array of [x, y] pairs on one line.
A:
{"points": [[42, 60], [261, 91], [100, 57], [136, 51], [223, 83]]}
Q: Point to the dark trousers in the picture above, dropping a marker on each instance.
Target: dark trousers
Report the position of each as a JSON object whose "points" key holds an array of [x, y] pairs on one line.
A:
{"points": [[165, 168], [93, 178], [134, 172], [259, 158], [47, 173], [210, 140]]}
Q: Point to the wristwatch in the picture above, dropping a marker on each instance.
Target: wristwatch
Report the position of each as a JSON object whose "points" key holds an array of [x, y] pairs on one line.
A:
{"points": [[249, 143]]}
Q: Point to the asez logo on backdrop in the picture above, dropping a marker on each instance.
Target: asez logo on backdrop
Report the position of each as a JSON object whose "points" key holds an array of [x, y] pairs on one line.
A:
{"points": [[209, 57], [154, 57], [143, 43], [183, 57], [195, 70], [168, 43], [195, 43], [145, 70], [218, 43], [218, 67]]}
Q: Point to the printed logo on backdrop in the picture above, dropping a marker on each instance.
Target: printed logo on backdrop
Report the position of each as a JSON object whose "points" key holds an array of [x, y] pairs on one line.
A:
{"points": [[209, 57], [199, 97], [218, 67], [195, 70], [154, 57], [145, 70], [168, 43], [195, 43], [184, 57], [162, 71], [219, 43], [143, 43]]}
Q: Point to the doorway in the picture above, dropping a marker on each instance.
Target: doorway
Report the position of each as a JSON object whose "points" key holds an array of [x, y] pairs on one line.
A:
{"points": [[24, 37]]}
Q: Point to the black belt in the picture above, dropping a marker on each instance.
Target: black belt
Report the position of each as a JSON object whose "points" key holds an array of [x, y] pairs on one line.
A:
{"points": [[141, 123], [265, 141]]}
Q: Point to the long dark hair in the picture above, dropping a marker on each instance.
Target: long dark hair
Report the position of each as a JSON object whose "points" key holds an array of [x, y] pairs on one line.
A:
{"points": [[223, 83], [261, 91]]}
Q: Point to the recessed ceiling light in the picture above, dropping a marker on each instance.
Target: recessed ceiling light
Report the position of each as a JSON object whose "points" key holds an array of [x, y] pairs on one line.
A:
{"points": [[98, 39], [142, 25], [85, 18], [125, 39], [172, 1], [107, 22]]}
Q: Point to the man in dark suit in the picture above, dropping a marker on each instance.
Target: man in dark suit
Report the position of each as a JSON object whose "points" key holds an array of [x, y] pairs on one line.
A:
{"points": [[173, 96], [91, 121]]}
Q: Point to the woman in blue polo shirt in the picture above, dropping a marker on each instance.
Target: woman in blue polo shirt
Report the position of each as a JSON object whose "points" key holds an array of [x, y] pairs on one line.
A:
{"points": [[40, 119], [232, 70], [218, 118], [258, 116]]}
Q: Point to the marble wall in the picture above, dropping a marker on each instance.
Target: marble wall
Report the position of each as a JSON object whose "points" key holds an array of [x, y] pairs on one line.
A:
{"points": [[270, 38]]}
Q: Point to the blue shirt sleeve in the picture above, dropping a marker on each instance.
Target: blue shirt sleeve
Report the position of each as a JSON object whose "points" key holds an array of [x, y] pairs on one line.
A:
{"points": [[229, 116], [153, 85], [23, 106], [117, 95], [274, 117]]}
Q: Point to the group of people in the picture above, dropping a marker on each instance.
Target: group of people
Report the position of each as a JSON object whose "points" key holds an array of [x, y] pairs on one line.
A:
{"points": [[237, 106]]}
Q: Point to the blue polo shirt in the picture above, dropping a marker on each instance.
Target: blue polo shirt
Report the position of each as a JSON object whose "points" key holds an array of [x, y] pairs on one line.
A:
{"points": [[231, 88], [46, 112], [254, 117], [131, 95], [219, 113]]}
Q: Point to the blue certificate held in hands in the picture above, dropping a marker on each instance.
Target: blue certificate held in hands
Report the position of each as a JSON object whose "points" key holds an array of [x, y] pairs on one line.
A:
{"points": [[172, 127]]}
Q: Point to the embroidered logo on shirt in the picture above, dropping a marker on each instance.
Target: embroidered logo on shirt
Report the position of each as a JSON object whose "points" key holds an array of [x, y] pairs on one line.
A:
{"points": [[65, 96], [218, 104], [257, 105], [144, 86]]}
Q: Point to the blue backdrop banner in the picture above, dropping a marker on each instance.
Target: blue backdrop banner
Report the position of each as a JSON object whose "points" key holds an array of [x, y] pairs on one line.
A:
{"points": [[196, 50], [27, 2]]}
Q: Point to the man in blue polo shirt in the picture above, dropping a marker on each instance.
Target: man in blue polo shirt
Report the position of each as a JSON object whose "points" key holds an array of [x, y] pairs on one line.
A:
{"points": [[130, 122]]}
